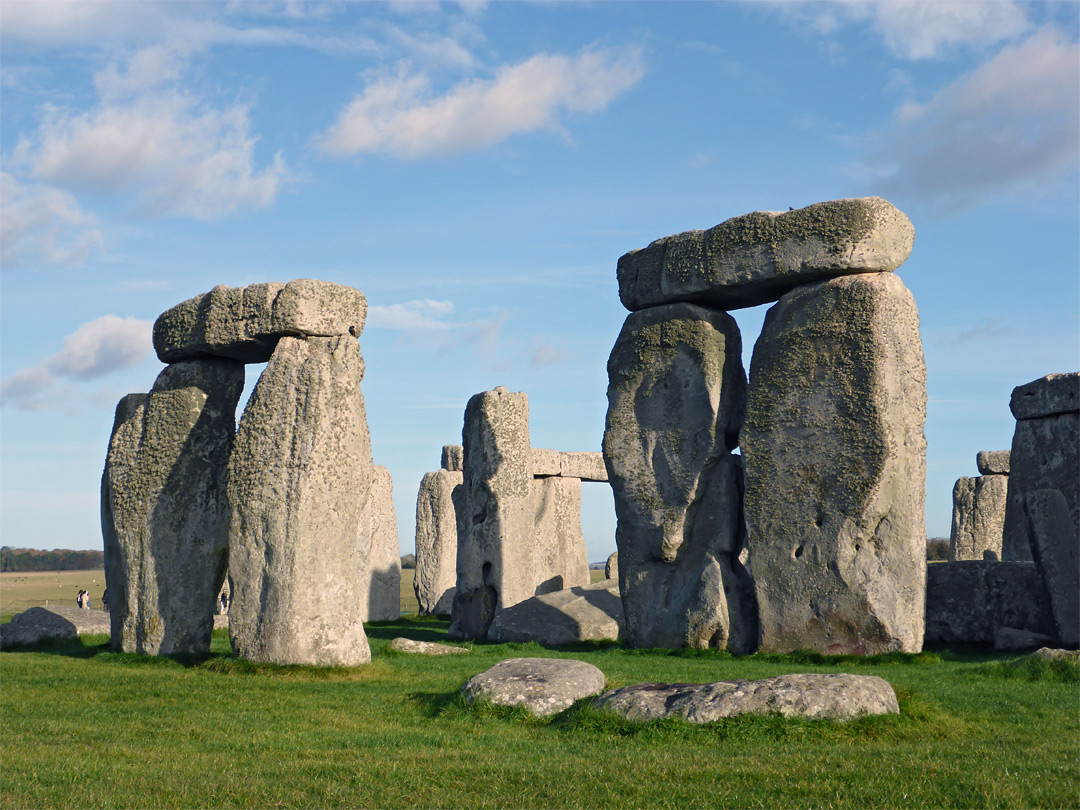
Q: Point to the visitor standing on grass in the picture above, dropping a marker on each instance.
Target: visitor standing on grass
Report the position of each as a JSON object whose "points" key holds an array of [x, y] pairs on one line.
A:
{"points": [[105, 600], [79, 599]]}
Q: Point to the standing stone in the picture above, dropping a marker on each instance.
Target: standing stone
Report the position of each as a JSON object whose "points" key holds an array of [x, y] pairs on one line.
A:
{"points": [[978, 518], [1045, 455], [836, 469], [164, 510], [299, 478], [559, 560], [380, 599], [676, 400], [1056, 552], [436, 543], [494, 511], [611, 567], [453, 457]]}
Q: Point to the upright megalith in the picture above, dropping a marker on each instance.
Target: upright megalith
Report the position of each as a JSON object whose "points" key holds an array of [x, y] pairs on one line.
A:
{"points": [[676, 400], [164, 510], [299, 478], [435, 580], [558, 545], [836, 468], [978, 517], [381, 583]]}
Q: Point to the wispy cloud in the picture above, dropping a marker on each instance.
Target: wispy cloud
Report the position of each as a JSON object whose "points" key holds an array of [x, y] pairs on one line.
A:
{"points": [[398, 114], [432, 324], [92, 351], [986, 329], [41, 223], [1008, 125], [422, 315]]}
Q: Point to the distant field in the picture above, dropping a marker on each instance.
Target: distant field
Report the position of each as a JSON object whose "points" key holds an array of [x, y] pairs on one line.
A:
{"points": [[22, 589]]}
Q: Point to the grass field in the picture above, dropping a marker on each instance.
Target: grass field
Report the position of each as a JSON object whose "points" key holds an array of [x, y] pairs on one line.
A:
{"points": [[86, 727]]}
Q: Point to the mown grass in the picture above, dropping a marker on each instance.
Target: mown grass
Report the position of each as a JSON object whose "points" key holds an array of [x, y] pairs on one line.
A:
{"points": [[86, 727]]}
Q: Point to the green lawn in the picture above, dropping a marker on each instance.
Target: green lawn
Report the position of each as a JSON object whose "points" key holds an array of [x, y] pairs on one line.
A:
{"points": [[85, 727]]}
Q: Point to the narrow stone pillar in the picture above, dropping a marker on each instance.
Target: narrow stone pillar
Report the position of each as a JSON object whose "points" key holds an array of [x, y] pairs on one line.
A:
{"points": [[436, 543], [978, 517], [380, 599]]}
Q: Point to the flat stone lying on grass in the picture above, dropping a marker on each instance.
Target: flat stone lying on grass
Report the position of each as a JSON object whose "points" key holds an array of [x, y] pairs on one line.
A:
{"points": [[837, 697], [584, 613], [1052, 654], [544, 686], [407, 645], [1009, 638], [37, 623]]}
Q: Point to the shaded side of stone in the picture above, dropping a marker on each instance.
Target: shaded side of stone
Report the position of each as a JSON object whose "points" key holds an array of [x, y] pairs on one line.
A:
{"points": [[970, 601], [299, 478], [676, 399], [39, 623], [380, 598], [435, 580], [165, 510], [836, 469], [757, 258], [494, 512], [582, 613], [978, 518], [1057, 558]]}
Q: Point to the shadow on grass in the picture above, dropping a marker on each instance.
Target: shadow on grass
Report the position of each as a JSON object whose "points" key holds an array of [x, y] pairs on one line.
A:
{"points": [[418, 628]]}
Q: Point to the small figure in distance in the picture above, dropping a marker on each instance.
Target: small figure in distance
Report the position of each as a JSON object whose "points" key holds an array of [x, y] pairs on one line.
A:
{"points": [[105, 600], [79, 600]]}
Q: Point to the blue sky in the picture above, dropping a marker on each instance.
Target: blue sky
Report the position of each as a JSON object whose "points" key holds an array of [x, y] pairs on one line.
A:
{"points": [[477, 169]]}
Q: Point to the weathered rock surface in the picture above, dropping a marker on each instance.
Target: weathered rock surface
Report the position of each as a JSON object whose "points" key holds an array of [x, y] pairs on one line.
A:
{"points": [[380, 598], [544, 686], [837, 697], [611, 567], [583, 613], [546, 462], [1052, 654], [558, 559], [584, 465], [164, 508], [978, 517], [1056, 557], [435, 580], [993, 462], [1045, 455], [970, 601], [299, 478], [37, 623], [453, 457], [676, 399], [836, 468], [407, 645], [1046, 396], [1009, 638], [245, 323], [758, 257]]}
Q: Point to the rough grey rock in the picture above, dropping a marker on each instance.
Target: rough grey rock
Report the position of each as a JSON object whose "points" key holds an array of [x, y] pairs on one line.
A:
{"points": [[585, 465], [611, 567], [1046, 396], [380, 587], [837, 697], [245, 323], [993, 462], [164, 507], [37, 623], [544, 686], [1057, 558], [1045, 455], [1051, 654], [1009, 638], [546, 462], [435, 580], [676, 399], [221, 621], [558, 560], [407, 645], [758, 257], [978, 517], [836, 469], [494, 512], [453, 457], [299, 478], [583, 613], [970, 601]]}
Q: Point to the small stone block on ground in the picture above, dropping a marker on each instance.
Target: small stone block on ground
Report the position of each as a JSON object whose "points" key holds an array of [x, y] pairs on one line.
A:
{"points": [[38, 623], [543, 686], [407, 645]]}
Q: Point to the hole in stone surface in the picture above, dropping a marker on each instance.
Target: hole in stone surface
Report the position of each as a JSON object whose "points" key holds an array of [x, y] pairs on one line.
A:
{"points": [[856, 548], [485, 572], [819, 521], [798, 552]]}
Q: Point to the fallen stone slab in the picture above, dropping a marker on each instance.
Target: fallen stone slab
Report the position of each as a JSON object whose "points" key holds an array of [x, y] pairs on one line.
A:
{"points": [[1009, 638], [585, 613], [1055, 654], [407, 645], [544, 686], [756, 258], [993, 462], [837, 697], [245, 323], [61, 622]]}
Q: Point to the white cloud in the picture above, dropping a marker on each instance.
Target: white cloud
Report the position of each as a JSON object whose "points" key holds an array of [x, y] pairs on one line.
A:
{"points": [[178, 157], [1008, 125], [95, 349], [40, 223], [398, 115], [411, 316]]}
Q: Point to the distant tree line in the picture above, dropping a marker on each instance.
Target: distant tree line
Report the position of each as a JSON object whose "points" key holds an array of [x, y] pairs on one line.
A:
{"points": [[937, 548], [59, 559]]}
